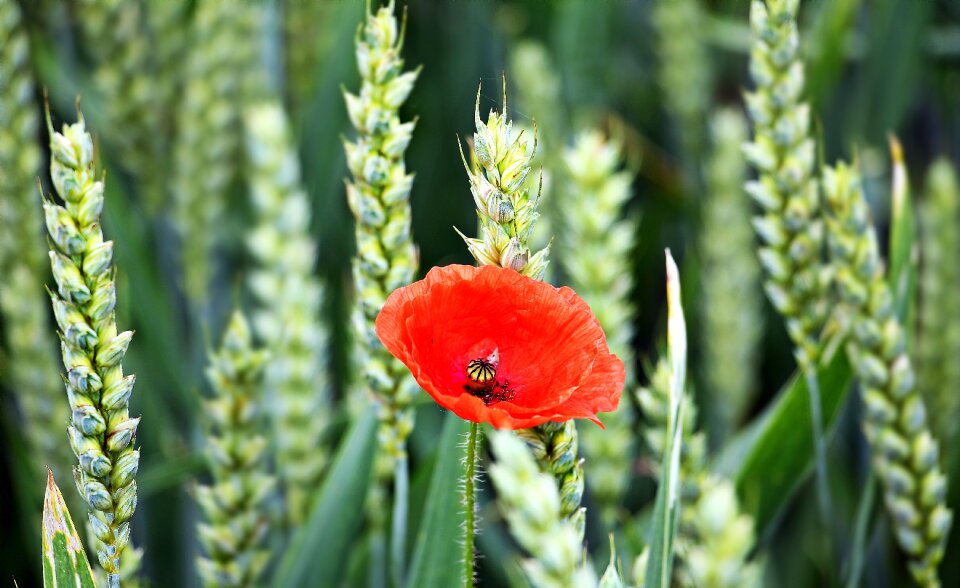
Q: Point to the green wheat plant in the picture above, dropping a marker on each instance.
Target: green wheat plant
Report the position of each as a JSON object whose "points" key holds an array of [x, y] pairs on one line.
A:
{"points": [[684, 72], [508, 213], [538, 92], [218, 75], [290, 298], [938, 341], [507, 210], [378, 196], [305, 49], [534, 510], [30, 345], [102, 433], [715, 537], [234, 504], [790, 227], [905, 454], [782, 151], [166, 22], [595, 253], [731, 278]]}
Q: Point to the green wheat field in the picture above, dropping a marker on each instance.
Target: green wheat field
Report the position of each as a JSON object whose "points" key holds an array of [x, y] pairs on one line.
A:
{"points": [[443, 293]]}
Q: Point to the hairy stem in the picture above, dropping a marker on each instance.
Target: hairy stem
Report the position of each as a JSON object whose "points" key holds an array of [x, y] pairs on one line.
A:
{"points": [[469, 501]]}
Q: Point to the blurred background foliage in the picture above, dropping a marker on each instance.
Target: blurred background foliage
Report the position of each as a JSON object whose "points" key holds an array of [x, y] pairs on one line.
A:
{"points": [[873, 68]]}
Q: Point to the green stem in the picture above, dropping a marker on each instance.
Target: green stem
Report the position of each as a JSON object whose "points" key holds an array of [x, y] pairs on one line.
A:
{"points": [[469, 501], [864, 515], [820, 452], [820, 455], [398, 535]]}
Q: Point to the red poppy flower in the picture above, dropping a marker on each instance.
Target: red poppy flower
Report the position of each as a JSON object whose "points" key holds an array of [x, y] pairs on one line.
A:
{"points": [[495, 346]]}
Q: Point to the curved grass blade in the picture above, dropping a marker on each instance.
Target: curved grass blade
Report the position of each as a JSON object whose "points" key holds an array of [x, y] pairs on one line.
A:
{"points": [[666, 510], [318, 554], [65, 561], [436, 558], [770, 460]]}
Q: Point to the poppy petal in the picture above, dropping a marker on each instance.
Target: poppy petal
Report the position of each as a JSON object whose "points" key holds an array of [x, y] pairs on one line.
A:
{"points": [[553, 361]]}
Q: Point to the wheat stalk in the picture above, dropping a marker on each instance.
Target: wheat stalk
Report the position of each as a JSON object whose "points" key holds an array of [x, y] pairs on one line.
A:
{"points": [[715, 536], [208, 143], [379, 197], [290, 299], [234, 505], [535, 512], [782, 150], [905, 455], [790, 228], [101, 432], [595, 253], [684, 71], [507, 210], [538, 92], [304, 49], [938, 343], [731, 278], [508, 214], [166, 23]]}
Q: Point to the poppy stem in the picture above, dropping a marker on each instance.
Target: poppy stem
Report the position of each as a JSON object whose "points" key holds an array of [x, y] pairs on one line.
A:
{"points": [[469, 501]]}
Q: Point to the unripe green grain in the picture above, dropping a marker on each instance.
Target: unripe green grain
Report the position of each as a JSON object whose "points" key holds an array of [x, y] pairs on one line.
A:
{"points": [[731, 305], [116, 35], [502, 164], [782, 151], [905, 456], [715, 538], [290, 297], [234, 505], [378, 196], [219, 70], [537, 517], [596, 250], [938, 342], [684, 72], [102, 435]]}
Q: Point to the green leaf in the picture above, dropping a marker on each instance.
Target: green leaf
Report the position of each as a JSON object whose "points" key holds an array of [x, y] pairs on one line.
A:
{"points": [[769, 460], [666, 509], [437, 557], [64, 558], [318, 554]]}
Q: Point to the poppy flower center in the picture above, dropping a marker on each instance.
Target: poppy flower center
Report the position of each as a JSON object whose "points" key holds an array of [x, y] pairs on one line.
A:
{"points": [[483, 383]]}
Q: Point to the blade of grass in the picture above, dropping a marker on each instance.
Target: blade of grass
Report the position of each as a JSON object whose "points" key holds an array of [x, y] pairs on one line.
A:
{"points": [[65, 561], [778, 455], [866, 512], [666, 511], [317, 555], [436, 557]]}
